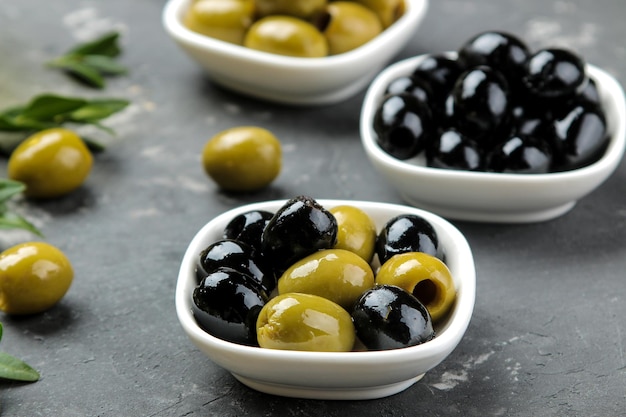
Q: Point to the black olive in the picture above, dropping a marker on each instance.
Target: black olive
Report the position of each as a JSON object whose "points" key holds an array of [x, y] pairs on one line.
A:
{"points": [[439, 73], [580, 137], [248, 227], [521, 154], [554, 73], [498, 50], [388, 317], [481, 103], [227, 303], [239, 256], [407, 233], [403, 125], [453, 150], [408, 84], [299, 228]]}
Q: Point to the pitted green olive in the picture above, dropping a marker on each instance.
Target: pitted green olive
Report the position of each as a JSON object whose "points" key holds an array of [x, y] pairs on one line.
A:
{"points": [[387, 10], [298, 8], [304, 322], [336, 274], [356, 231], [227, 20], [286, 35], [424, 276], [348, 25]]}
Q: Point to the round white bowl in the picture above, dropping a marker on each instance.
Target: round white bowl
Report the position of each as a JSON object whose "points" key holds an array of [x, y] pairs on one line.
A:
{"points": [[305, 81], [328, 375], [494, 197]]}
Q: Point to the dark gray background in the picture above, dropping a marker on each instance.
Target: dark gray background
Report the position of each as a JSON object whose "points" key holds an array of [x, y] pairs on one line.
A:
{"points": [[547, 337]]}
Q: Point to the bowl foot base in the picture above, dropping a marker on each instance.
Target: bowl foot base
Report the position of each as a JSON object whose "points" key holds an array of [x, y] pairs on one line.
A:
{"points": [[326, 393], [526, 216]]}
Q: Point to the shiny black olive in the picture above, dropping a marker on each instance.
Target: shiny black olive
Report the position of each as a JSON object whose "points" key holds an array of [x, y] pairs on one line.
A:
{"points": [[407, 233], [453, 150], [521, 154], [481, 103], [227, 303], [388, 317], [554, 73], [248, 227], [408, 84], [239, 256], [299, 228], [403, 125], [499, 50], [439, 73], [580, 137]]}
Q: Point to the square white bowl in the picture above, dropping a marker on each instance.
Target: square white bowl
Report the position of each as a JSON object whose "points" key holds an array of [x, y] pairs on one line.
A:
{"points": [[494, 197], [292, 80], [330, 375]]}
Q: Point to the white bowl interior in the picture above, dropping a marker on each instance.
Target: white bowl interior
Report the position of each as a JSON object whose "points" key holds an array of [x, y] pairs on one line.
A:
{"points": [[328, 375], [494, 197], [292, 80]]}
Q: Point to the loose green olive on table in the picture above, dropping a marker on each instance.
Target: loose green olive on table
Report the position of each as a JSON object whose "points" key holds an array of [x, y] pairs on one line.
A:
{"points": [[313, 29], [321, 283]]}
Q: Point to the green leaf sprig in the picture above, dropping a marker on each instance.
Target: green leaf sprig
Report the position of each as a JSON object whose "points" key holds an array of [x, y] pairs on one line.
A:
{"points": [[90, 62], [51, 110], [9, 219], [15, 369]]}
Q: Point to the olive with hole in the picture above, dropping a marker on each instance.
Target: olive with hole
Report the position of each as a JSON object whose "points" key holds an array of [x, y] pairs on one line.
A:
{"points": [[424, 276], [305, 322], [388, 317]]}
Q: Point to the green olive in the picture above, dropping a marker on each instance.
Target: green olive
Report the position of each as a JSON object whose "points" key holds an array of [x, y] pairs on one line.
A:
{"points": [[298, 8], [349, 25], [245, 158], [336, 274], [304, 322], [424, 276], [286, 35], [356, 231], [387, 10], [226, 20]]}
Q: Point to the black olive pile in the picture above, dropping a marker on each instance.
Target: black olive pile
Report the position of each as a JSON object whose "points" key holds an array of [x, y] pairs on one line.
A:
{"points": [[237, 276], [496, 107]]}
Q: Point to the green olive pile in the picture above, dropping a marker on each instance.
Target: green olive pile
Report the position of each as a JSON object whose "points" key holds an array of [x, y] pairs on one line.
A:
{"points": [[303, 278], [497, 107], [299, 28]]}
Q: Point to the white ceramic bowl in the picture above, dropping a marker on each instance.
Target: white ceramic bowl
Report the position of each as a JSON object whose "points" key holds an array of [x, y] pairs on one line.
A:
{"points": [[307, 81], [327, 375], [494, 197]]}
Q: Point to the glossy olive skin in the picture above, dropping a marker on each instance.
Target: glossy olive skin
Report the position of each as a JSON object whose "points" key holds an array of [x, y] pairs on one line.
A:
{"points": [[356, 231], [348, 25], [388, 11], [403, 125], [286, 35], [51, 163], [239, 256], [300, 227], [521, 154], [555, 73], [226, 20], [305, 322], [243, 158], [335, 274], [418, 88], [248, 227], [424, 276], [226, 304], [34, 276], [407, 233], [439, 73], [454, 150], [388, 317], [299, 8]]}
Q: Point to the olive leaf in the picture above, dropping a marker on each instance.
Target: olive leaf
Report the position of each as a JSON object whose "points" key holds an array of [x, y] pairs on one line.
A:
{"points": [[51, 110], [90, 62], [8, 219], [15, 369]]}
